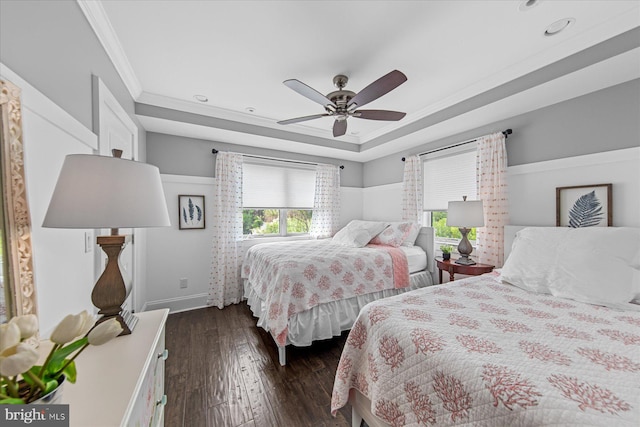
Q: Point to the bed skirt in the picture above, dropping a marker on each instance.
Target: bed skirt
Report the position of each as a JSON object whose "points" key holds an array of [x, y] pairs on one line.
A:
{"points": [[329, 319]]}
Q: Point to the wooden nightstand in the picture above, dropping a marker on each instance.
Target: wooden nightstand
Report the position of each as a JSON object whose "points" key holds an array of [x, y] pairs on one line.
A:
{"points": [[451, 267]]}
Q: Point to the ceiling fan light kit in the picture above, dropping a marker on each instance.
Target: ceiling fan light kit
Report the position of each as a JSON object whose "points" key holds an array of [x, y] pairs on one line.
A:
{"points": [[341, 104]]}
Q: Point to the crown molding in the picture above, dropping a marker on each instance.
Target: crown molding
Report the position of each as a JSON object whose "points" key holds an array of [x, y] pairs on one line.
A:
{"points": [[236, 116], [97, 17]]}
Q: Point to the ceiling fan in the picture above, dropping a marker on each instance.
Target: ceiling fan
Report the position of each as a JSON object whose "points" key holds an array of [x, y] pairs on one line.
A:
{"points": [[341, 104]]}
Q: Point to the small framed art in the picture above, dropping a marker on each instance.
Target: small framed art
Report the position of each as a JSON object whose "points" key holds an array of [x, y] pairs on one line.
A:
{"points": [[191, 212], [584, 206]]}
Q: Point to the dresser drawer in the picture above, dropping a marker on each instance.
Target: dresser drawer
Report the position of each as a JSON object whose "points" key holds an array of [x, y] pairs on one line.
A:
{"points": [[149, 405]]}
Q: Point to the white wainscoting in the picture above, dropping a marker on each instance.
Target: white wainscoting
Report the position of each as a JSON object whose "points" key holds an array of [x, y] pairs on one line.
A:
{"points": [[382, 202], [351, 204], [532, 187], [63, 272], [174, 254]]}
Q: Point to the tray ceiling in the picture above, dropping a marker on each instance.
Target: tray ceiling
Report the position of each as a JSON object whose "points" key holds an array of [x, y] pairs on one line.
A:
{"points": [[468, 63]]}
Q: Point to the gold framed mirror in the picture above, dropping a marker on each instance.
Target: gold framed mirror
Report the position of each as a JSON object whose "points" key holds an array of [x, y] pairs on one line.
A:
{"points": [[18, 294]]}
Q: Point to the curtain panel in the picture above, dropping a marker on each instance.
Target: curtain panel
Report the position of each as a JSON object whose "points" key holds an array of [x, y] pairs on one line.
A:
{"points": [[491, 178], [326, 203], [225, 286], [412, 190]]}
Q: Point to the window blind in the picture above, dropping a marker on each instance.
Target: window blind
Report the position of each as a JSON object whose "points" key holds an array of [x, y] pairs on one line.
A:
{"points": [[271, 185], [448, 178]]}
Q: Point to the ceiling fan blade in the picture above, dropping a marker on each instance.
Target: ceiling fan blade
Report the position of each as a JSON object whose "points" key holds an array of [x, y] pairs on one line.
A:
{"points": [[301, 119], [339, 128], [309, 92], [378, 88], [392, 116]]}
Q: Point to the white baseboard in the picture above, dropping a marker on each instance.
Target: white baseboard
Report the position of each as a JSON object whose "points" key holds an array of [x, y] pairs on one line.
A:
{"points": [[178, 304]]}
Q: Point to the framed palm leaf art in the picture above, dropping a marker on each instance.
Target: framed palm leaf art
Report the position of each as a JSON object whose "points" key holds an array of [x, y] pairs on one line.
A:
{"points": [[190, 212], [584, 206]]}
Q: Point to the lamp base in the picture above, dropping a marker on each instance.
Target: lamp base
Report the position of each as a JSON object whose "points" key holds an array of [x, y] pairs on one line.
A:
{"points": [[465, 260], [110, 292], [130, 321], [465, 248]]}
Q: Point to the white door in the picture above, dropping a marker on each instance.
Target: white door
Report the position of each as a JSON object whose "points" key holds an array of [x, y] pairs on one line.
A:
{"points": [[116, 130]]}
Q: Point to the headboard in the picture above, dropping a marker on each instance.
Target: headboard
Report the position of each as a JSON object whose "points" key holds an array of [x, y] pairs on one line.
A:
{"points": [[510, 234], [425, 241]]}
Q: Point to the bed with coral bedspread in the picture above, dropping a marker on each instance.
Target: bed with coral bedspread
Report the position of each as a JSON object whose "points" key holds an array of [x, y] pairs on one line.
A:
{"points": [[481, 352], [484, 352], [309, 290]]}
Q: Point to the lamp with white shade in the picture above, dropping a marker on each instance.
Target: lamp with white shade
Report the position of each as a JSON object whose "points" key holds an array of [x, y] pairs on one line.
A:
{"points": [[465, 215], [108, 192]]}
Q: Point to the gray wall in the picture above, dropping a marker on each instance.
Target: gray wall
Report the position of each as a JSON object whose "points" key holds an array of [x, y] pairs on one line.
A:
{"points": [[51, 45], [608, 119], [179, 155]]}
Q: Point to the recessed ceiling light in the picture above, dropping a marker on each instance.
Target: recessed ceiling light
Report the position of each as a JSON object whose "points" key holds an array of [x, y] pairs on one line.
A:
{"points": [[250, 109], [558, 26], [201, 98], [528, 4]]}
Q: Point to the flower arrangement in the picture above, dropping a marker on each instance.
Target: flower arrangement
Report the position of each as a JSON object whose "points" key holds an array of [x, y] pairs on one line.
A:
{"points": [[21, 380]]}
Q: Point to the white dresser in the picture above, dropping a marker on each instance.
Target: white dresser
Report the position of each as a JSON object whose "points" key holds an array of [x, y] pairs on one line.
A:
{"points": [[121, 383]]}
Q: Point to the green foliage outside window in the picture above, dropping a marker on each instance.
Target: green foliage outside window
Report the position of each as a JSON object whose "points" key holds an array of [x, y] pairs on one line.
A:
{"points": [[299, 221], [251, 219], [267, 221], [439, 223]]}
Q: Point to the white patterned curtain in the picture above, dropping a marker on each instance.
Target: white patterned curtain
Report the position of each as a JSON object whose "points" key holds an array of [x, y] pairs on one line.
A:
{"points": [[412, 191], [491, 177], [225, 286], [326, 202]]}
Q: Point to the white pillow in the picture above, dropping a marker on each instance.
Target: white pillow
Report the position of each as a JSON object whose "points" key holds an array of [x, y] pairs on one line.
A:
{"points": [[532, 253], [358, 233], [593, 265], [596, 266]]}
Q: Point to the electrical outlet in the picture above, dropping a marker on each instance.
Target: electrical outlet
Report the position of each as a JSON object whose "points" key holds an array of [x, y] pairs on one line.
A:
{"points": [[88, 241], [183, 283]]}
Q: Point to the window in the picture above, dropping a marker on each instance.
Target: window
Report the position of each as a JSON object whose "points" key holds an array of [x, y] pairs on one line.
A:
{"points": [[448, 175], [277, 200]]}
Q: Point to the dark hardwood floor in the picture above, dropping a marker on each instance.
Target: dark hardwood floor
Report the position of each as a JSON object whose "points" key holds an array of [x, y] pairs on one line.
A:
{"points": [[223, 370]]}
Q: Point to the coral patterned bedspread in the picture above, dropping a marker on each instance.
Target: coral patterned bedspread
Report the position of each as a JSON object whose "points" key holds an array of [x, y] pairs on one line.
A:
{"points": [[479, 352], [291, 277]]}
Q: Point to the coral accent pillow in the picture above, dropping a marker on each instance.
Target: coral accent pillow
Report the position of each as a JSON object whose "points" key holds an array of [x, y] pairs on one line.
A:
{"points": [[394, 235], [410, 240]]}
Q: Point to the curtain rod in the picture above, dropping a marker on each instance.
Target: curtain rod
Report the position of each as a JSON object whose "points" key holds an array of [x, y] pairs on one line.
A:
{"points": [[214, 151], [506, 134]]}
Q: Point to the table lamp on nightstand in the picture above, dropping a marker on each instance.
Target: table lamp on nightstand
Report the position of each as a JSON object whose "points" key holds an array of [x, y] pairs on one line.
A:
{"points": [[465, 215], [108, 192]]}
